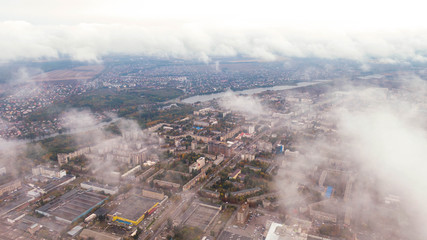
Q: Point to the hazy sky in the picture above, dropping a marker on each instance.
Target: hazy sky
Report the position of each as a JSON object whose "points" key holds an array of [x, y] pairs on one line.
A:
{"points": [[389, 31]]}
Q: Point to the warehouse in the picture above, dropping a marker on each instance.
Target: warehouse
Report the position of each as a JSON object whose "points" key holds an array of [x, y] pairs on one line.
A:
{"points": [[134, 209], [72, 205]]}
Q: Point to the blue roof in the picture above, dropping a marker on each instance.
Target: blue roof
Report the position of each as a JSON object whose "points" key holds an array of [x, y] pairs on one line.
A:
{"points": [[329, 190], [123, 221]]}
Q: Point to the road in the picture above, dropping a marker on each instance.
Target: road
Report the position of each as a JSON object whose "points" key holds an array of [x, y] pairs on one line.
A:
{"points": [[171, 212], [187, 197], [237, 154]]}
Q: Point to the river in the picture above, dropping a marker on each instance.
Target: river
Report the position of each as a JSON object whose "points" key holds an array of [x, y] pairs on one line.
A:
{"points": [[208, 97], [190, 100]]}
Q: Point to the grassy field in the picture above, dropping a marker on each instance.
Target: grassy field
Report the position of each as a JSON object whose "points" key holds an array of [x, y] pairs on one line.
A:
{"points": [[103, 99]]}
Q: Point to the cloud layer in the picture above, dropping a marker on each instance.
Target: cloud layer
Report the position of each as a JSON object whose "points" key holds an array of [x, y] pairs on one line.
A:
{"points": [[90, 42], [246, 104], [387, 137]]}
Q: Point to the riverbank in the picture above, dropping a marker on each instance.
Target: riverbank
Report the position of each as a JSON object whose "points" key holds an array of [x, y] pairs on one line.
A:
{"points": [[209, 97]]}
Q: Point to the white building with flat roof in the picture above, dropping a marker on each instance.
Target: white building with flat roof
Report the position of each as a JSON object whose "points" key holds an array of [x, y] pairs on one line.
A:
{"points": [[48, 172], [279, 231], [196, 166], [99, 187]]}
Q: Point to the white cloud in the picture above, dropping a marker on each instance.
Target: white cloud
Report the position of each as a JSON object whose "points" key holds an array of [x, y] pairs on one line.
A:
{"points": [[245, 104], [76, 120], [385, 134], [89, 30]]}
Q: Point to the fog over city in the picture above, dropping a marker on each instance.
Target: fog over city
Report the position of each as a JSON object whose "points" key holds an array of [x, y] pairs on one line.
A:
{"points": [[385, 139], [167, 120]]}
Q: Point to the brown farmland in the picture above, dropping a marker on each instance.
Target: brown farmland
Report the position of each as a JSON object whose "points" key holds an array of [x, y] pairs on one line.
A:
{"points": [[77, 73]]}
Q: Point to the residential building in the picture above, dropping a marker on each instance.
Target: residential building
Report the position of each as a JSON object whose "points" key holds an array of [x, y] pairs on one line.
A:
{"points": [[243, 213], [48, 172], [196, 166]]}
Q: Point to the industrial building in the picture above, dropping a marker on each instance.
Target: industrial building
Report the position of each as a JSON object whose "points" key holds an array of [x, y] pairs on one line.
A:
{"points": [[73, 205], [133, 210], [99, 187], [52, 185]]}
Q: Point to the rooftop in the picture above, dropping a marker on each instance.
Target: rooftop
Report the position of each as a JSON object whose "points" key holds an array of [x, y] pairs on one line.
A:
{"points": [[134, 207], [72, 205], [101, 185]]}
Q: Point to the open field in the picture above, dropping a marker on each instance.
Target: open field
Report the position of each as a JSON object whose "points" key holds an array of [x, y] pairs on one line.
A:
{"points": [[77, 73]]}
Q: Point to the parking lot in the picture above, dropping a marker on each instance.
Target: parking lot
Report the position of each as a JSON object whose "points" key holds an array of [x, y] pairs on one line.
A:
{"points": [[254, 227], [200, 215]]}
